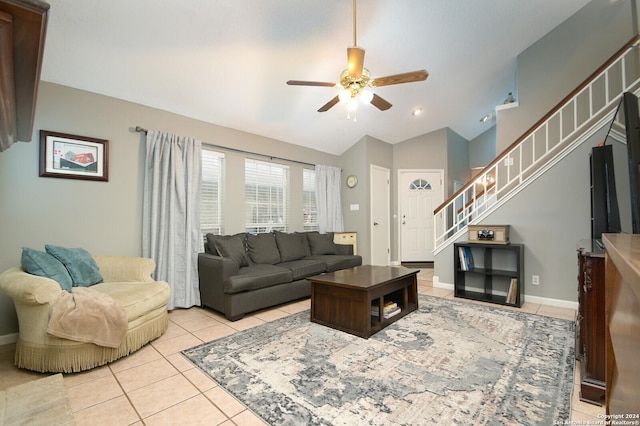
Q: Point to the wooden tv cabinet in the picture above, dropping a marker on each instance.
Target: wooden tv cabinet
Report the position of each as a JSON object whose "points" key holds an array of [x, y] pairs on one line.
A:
{"points": [[590, 325]]}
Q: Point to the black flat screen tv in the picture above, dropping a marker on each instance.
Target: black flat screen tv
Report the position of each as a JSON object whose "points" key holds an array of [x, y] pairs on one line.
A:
{"points": [[615, 174], [632, 129], [605, 214]]}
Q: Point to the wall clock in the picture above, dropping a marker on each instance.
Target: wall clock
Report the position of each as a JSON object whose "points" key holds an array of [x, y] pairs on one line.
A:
{"points": [[352, 181]]}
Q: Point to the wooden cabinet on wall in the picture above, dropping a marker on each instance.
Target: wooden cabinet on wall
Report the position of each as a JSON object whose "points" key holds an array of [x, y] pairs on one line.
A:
{"points": [[23, 25], [590, 325]]}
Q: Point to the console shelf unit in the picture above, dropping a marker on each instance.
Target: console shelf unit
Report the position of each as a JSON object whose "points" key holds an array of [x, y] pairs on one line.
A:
{"points": [[494, 268]]}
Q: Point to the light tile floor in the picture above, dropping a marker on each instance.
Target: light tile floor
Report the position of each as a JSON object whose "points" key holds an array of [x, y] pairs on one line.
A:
{"points": [[158, 386]]}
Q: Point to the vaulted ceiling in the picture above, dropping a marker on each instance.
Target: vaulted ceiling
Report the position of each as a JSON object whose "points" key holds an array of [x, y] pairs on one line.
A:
{"points": [[227, 61]]}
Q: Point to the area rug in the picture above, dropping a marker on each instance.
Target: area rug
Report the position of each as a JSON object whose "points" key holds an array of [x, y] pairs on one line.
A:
{"points": [[39, 402], [447, 363]]}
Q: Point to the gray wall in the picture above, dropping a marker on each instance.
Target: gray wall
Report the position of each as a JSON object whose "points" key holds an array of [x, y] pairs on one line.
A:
{"points": [[561, 60], [106, 217], [357, 160], [482, 149], [457, 161]]}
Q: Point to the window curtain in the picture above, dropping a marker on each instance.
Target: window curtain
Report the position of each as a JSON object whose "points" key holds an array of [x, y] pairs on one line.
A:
{"points": [[171, 213], [328, 199]]}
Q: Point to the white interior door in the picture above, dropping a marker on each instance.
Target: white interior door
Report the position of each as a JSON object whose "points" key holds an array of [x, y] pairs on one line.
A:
{"points": [[380, 216], [419, 193]]}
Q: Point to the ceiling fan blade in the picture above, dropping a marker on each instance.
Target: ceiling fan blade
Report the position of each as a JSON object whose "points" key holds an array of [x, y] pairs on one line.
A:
{"points": [[408, 77], [329, 104], [355, 61], [380, 103], [309, 83]]}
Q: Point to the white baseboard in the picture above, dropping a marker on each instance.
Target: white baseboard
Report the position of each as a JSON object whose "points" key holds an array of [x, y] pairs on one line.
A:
{"points": [[527, 298], [551, 302], [8, 339], [395, 263], [438, 284]]}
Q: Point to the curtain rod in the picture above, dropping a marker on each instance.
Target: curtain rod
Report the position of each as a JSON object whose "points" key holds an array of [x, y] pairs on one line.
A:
{"points": [[143, 130]]}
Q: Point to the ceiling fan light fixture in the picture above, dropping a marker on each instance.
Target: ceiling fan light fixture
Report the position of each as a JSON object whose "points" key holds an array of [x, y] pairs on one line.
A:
{"points": [[352, 104], [366, 96], [345, 96]]}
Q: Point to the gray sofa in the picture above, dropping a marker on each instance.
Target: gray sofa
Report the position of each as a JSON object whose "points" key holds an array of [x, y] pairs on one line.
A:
{"points": [[246, 272]]}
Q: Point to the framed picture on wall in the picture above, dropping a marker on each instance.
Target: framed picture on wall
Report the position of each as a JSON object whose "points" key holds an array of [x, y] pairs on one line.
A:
{"points": [[73, 157]]}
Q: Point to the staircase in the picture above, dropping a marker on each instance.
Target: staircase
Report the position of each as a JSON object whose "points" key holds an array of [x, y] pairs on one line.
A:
{"points": [[575, 119]]}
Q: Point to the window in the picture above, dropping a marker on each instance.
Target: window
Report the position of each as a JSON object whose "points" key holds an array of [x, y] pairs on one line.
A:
{"points": [[309, 209], [266, 196], [420, 185], [211, 196]]}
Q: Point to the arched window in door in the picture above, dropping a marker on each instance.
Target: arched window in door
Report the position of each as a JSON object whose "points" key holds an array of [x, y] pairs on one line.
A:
{"points": [[420, 185]]}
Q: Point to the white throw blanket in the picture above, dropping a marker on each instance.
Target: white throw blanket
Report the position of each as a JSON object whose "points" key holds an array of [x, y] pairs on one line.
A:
{"points": [[87, 315]]}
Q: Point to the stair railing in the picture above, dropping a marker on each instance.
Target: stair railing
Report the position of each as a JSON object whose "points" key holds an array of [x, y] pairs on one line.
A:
{"points": [[573, 120]]}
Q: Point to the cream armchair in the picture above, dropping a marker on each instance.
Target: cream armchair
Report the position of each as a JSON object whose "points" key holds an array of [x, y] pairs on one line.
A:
{"points": [[126, 279]]}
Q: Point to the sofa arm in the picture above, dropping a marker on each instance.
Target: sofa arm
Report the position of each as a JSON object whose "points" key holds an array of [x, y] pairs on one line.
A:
{"points": [[125, 268], [27, 288], [212, 268], [212, 273]]}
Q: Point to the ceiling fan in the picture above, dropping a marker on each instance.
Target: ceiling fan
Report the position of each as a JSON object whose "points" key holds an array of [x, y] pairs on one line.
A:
{"points": [[356, 79]]}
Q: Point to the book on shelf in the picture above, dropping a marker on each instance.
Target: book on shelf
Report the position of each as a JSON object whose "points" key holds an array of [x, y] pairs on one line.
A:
{"points": [[387, 313], [469, 255], [466, 258], [388, 306], [513, 291]]}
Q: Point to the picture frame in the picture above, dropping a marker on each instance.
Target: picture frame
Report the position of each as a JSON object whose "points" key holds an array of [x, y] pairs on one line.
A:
{"points": [[73, 157]]}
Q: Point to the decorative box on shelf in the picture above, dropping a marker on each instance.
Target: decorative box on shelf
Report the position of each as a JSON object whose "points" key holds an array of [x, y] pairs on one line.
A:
{"points": [[489, 234]]}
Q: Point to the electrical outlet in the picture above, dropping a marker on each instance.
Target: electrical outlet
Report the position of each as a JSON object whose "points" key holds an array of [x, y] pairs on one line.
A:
{"points": [[535, 280]]}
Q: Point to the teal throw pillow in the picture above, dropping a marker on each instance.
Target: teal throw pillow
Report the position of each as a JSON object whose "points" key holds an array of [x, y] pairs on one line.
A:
{"points": [[42, 264], [82, 268]]}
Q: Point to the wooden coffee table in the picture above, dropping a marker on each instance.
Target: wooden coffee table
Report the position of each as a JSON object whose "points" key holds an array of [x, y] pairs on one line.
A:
{"points": [[346, 299]]}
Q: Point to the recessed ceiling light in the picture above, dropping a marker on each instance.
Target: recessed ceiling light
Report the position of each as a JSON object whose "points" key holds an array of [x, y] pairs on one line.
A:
{"points": [[416, 111], [485, 118]]}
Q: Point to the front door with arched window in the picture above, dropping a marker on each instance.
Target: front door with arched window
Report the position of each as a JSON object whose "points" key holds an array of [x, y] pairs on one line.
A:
{"points": [[419, 193]]}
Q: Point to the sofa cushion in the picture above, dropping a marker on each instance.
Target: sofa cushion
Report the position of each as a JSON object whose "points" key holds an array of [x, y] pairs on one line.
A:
{"points": [[82, 268], [257, 276], [263, 248], [305, 239], [291, 246], [335, 262], [137, 298], [303, 268], [45, 265], [232, 246], [210, 245], [322, 243]]}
